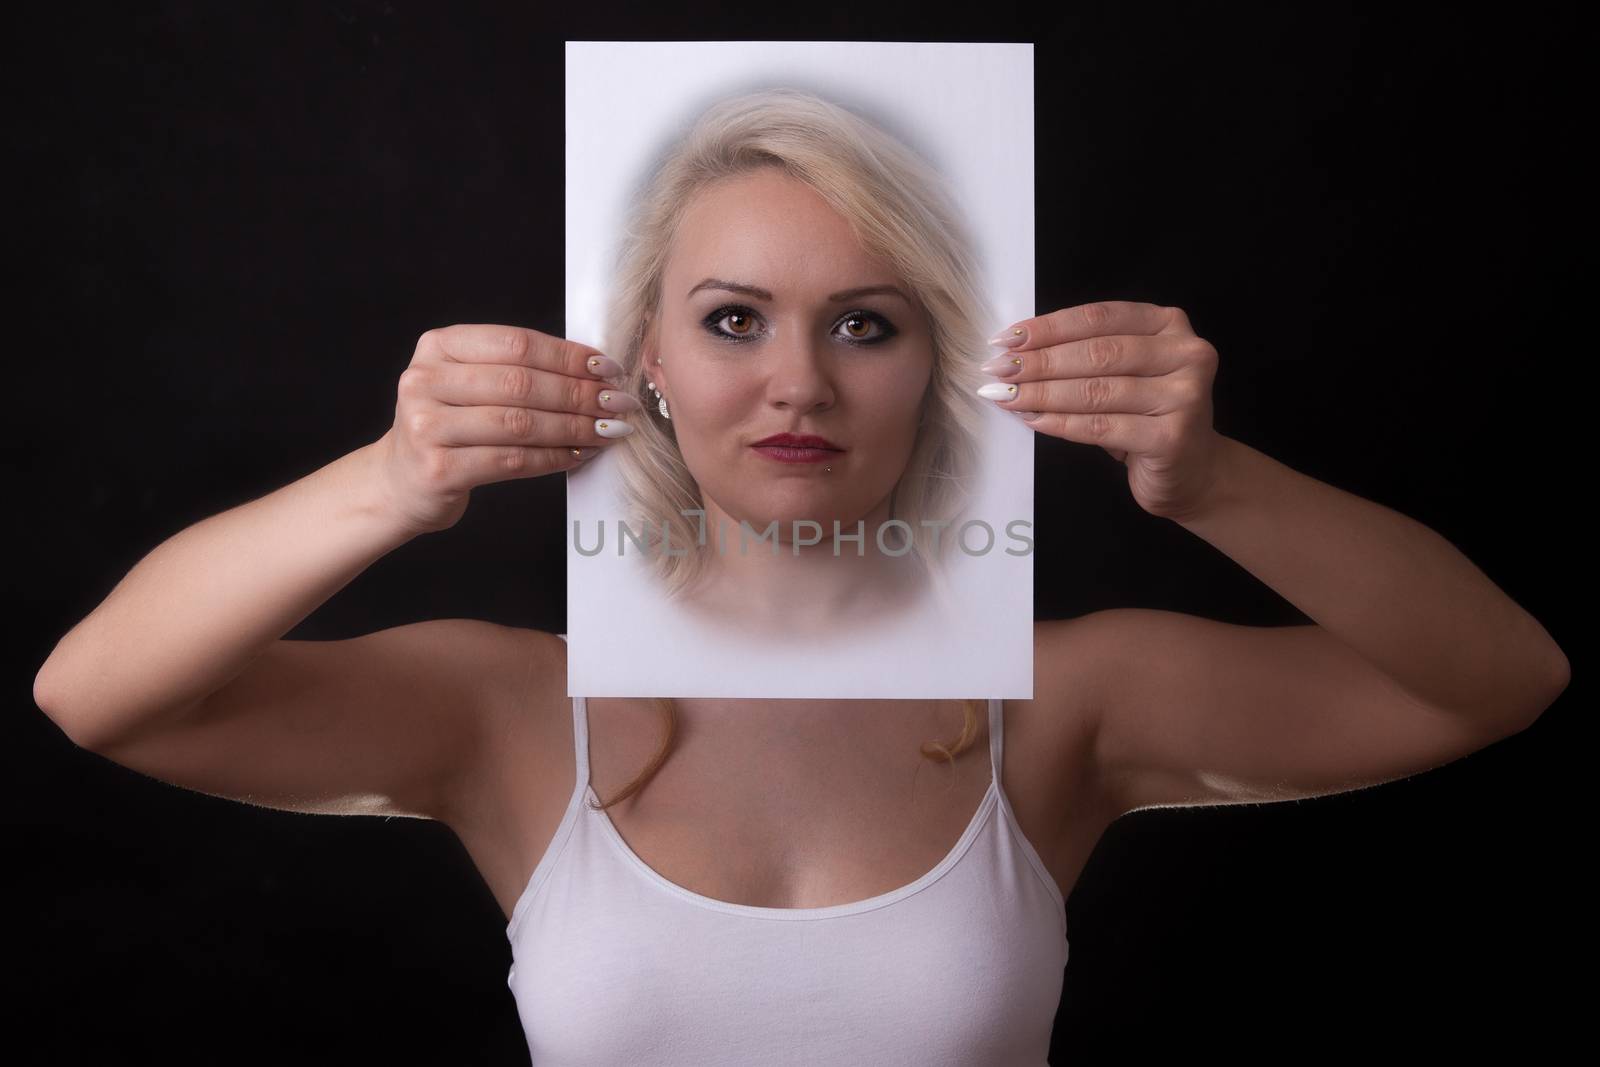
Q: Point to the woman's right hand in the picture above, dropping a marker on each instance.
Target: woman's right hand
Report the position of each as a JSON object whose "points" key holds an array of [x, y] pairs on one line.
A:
{"points": [[488, 403]]}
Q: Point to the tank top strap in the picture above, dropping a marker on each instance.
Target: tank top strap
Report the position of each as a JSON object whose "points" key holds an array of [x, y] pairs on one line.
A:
{"points": [[580, 738], [996, 737]]}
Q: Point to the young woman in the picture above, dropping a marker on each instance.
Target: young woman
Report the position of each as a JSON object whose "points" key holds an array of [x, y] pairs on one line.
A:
{"points": [[776, 887]]}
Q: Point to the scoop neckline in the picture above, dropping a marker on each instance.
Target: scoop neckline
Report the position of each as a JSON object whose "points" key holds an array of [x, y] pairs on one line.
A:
{"points": [[755, 911]]}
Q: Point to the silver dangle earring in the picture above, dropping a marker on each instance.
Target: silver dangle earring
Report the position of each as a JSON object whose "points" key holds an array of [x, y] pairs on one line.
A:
{"points": [[661, 401]]}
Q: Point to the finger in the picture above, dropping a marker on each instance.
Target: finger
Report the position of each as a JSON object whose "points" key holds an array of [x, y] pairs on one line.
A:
{"points": [[493, 425], [1177, 322], [1121, 432], [1116, 354], [515, 346], [476, 384], [484, 464], [1136, 395], [1083, 321]]}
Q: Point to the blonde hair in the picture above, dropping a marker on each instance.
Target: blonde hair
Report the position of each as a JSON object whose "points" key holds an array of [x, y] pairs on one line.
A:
{"points": [[896, 205]]}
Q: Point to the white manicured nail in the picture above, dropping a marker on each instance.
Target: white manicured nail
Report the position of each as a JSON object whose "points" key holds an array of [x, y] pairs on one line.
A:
{"points": [[612, 400], [612, 428], [997, 391]]}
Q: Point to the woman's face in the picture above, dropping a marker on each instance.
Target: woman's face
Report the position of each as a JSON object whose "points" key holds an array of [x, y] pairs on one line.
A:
{"points": [[805, 354]]}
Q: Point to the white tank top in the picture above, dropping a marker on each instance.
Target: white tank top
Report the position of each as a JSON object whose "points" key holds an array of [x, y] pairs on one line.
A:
{"points": [[614, 964]]}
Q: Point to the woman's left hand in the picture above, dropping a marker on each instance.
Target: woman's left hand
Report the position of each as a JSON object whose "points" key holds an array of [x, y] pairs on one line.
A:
{"points": [[1132, 378]]}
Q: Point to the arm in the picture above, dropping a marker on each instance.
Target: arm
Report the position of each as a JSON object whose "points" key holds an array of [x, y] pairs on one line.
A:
{"points": [[181, 673], [202, 605], [1413, 660], [394, 723]]}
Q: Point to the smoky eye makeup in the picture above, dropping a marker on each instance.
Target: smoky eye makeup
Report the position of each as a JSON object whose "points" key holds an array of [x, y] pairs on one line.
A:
{"points": [[713, 324]]}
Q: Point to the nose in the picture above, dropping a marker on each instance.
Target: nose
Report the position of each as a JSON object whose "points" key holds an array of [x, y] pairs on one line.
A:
{"points": [[800, 378]]}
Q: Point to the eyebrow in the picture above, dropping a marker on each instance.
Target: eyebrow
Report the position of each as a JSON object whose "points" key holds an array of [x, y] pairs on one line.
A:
{"points": [[763, 294]]}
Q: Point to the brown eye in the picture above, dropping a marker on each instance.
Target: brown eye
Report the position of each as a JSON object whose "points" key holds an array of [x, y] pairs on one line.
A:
{"points": [[742, 318], [858, 328]]}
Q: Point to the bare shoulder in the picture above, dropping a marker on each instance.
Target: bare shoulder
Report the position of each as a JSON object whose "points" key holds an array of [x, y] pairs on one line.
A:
{"points": [[524, 727], [1068, 696], [523, 771], [1068, 690], [1050, 772]]}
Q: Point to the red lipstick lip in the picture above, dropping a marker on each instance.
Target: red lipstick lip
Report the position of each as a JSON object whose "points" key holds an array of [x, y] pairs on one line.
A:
{"points": [[798, 440]]}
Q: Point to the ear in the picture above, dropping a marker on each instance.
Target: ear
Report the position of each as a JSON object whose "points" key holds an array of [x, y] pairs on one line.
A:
{"points": [[648, 356]]}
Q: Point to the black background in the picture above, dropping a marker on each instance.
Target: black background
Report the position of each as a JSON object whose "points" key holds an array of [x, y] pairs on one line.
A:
{"points": [[235, 220]]}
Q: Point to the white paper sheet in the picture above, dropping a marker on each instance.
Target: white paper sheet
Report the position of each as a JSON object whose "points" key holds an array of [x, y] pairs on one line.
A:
{"points": [[967, 108]]}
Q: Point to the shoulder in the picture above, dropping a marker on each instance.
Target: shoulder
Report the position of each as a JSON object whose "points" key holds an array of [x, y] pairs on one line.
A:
{"points": [[1074, 669], [1049, 771], [520, 688], [1069, 672], [507, 671], [526, 683]]}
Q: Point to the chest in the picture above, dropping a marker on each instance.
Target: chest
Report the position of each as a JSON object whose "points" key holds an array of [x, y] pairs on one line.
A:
{"points": [[609, 969], [777, 818]]}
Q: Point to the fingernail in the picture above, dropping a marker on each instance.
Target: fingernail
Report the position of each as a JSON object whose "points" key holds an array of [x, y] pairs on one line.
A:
{"points": [[1005, 366], [603, 367], [1016, 335], [997, 391], [612, 428], [1027, 416], [612, 400]]}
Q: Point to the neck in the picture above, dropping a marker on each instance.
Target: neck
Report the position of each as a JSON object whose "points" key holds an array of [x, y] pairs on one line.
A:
{"points": [[805, 587]]}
